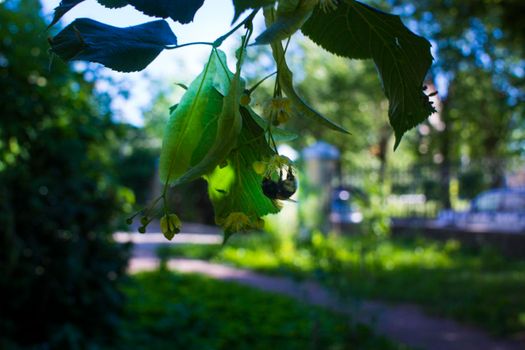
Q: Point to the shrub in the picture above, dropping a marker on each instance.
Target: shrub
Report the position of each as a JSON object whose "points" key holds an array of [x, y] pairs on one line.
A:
{"points": [[58, 266]]}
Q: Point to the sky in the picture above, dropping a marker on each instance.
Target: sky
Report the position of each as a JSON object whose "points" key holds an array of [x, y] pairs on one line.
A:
{"points": [[181, 65]]}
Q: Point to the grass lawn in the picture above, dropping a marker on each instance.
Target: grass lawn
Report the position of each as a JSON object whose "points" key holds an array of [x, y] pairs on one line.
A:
{"points": [[175, 311], [480, 288]]}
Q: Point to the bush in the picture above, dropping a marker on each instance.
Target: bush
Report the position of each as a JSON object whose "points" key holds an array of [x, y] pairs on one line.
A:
{"points": [[59, 268]]}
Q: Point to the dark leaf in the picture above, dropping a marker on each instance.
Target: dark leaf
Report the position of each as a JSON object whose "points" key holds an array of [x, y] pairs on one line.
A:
{"points": [[62, 8], [122, 49], [181, 11], [113, 4], [243, 5], [403, 58]]}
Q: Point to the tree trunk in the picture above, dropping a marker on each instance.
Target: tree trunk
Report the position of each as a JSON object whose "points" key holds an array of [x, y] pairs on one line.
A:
{"points": [[384, 137]]}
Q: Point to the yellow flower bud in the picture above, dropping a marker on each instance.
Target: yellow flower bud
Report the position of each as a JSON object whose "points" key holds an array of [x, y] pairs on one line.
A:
{"points": [[170, 225], [278, 110], [245, 100], [259, 167]]}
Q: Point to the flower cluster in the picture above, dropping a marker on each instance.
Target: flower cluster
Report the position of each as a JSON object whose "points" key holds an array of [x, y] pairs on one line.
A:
{"points": [[278, 110], [272, 165], [238, 221]]}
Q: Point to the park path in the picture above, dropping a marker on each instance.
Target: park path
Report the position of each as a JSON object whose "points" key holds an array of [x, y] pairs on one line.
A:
{"points": [[406, 324]]}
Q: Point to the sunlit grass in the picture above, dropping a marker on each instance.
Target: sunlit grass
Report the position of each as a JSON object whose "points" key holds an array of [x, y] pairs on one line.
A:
{"points": [[481, 288]]}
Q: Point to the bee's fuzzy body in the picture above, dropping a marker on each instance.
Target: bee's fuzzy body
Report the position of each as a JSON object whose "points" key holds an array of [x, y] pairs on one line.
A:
{"points": [[281, 189]]}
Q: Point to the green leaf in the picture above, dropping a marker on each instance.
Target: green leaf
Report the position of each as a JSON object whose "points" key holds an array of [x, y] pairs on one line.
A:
{"points": [[403, 58], [292, 5], [228, 128], [242, 5], [181, 11], [63, 7], [290, 17], [282, 135], [278, 134], [113, 4], [285, 76], [192, 127], [122, 49], [236, 188]]}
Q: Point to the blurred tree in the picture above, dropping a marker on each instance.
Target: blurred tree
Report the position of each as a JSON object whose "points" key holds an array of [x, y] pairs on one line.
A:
{"points": [[479, 73], [351, 93], [137, 160], [485, 120], [59, 268]]}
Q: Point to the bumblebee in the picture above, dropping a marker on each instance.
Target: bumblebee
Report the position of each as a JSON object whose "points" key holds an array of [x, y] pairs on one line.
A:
{"points": [[281, 189]]}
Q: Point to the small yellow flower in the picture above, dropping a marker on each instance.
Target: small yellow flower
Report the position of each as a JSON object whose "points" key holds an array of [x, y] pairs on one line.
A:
{"points": [[238, 221], [259, 167], [235, 222], [245, 100], [259, 224], [276, 163], [170, 225], [278, 110]]}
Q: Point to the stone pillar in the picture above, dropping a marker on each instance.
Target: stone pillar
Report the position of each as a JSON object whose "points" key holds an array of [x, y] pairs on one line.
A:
{"points": [[319, 170]]}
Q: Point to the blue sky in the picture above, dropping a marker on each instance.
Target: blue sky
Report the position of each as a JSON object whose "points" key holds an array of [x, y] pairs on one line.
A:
{"points": [[211, 21]]}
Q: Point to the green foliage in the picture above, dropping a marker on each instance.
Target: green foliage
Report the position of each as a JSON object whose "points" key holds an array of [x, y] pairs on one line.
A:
{"points": [[478, 287], [168, 311], [235, 188], [481, 114], [192, 128], [59, 198], [211, 132], [471, 183], [139, 158], [229, 124], [349, 92], [402, 58], [285, 79]]}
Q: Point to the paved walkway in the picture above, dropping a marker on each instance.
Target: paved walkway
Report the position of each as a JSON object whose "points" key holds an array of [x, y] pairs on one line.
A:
{"points": [[402, 323], [145, 245]]}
